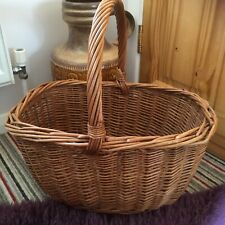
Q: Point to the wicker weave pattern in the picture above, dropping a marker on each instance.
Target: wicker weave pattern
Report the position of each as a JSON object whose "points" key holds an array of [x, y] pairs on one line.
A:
{"points": [[145, 143]]}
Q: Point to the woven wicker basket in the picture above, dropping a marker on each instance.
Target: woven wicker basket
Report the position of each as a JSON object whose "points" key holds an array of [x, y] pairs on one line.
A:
{"points": [[111, 147]]}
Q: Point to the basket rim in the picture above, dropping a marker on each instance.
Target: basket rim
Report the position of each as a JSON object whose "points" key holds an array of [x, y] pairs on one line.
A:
{"points": [[29, 132]]}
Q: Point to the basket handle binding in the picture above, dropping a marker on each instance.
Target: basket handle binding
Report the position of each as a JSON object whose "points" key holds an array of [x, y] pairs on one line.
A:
{"points": [[96, 129]]}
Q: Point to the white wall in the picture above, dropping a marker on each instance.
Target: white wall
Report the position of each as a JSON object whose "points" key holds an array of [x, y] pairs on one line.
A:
{"points": [[135, 7], [36, 25]]}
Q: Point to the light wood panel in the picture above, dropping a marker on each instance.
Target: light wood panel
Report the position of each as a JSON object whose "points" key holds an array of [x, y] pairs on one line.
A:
{"points": [[159, 22], [184, 46], [153, 16]]}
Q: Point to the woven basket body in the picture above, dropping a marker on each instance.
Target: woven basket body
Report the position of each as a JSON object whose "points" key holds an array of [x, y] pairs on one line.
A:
{"points": [[111, 147]]}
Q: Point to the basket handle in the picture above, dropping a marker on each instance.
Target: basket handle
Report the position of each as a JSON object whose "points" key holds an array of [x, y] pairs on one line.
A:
{"points": [[96, 129]]}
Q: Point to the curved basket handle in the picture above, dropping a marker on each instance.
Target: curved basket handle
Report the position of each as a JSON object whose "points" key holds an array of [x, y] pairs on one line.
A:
{"points": [[96, 129]]}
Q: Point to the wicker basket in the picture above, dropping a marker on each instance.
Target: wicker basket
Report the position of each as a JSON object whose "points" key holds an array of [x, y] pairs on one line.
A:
{"points": [[111, 147]]}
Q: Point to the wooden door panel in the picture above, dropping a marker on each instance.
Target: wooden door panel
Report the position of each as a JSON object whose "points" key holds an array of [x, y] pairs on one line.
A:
{"points": [[184, 46], [186, 42], [220, 103]]}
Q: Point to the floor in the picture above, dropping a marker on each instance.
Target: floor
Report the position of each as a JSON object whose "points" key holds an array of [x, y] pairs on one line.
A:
{"points": [[17, 184]]}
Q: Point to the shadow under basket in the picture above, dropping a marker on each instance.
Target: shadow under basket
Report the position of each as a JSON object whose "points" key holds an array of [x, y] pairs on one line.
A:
{"points": [[155, 139]]}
